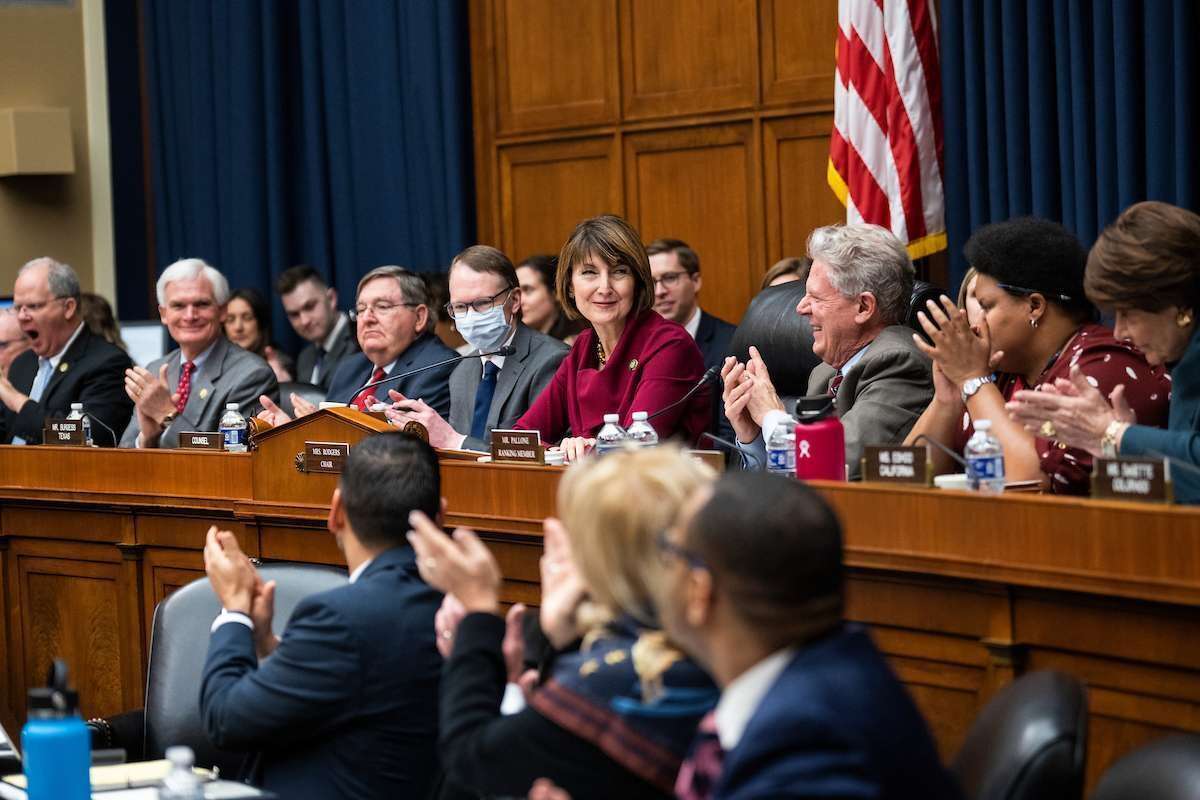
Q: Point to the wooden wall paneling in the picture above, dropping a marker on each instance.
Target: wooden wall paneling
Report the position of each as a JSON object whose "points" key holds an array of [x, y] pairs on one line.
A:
{"points": [[547, 188], [483, 117], [798, 198], [8, 640], [702, 185], [798, 51], [163, 571], [688, 56], [555, 63]]}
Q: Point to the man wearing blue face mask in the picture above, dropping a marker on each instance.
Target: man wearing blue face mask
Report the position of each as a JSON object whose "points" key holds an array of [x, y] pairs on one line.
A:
{"points": [[491, 391]]}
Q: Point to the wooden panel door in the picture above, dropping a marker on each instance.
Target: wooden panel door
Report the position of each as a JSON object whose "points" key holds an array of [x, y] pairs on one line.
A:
{"points": [[556, 63], [798, 198], [547, 188], [798, 53], [688, 56], [700, 185]]}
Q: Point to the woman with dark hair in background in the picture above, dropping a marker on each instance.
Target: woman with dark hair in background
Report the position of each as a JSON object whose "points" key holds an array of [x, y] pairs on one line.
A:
{"points": [[248, 325], [539, 308], [786, 270], [98, 316], [1036, 325]]}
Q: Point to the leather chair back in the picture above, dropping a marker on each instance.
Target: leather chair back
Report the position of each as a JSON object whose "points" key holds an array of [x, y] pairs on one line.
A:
{"points": [[922, 292], [1029, 743], [179, 645], [311, 393], [783, 337], [1166, 769]]}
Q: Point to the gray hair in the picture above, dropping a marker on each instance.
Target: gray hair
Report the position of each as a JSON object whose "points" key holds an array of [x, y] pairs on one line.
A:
{"points": [[61, 279], [412, 288], [187, 269], [866, 258]]}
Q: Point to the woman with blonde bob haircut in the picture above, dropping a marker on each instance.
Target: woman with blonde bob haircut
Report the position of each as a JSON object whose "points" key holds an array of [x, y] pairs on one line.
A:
{"points": [[620, 704]]}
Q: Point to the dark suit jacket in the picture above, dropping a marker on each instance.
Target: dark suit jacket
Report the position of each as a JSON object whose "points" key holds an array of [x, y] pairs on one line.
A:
{"points": [[343, 345], [91, 372], [229, 375], [522, 378], [346, 706], [836, 723], [714, 337], [432, 386]]}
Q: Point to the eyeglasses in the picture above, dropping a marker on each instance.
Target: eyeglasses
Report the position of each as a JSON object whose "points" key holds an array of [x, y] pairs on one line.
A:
{"points": [[1008, 287], [379, 310], [479, 306], [668, 548], [669, 279], [34, 308]]}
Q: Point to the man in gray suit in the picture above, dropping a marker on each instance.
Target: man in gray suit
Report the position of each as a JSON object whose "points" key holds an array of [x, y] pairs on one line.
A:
{"points": [[856, 299], [188, 388], [489, 391]]}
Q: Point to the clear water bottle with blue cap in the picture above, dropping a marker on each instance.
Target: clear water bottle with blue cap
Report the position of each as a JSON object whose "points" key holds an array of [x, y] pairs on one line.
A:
{"points": [[78, 413], [985, 459], [233, 429]]}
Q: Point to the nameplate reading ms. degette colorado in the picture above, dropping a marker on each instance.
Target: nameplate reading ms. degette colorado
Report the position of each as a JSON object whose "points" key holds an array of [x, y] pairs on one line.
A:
{"points": [[325, 456], [65, 432], [201, 440], [521, 447], [1143, 479]]}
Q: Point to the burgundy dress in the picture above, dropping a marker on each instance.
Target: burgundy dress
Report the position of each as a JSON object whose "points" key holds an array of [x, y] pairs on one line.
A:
{"points": [[654, 364], [1107, 362]]}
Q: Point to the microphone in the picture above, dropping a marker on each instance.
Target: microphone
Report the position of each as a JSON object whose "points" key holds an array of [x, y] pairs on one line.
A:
{"points": [[730, 446], [710, 375], [506, 350], [962, 461], [1173, 461], [93, 418]]}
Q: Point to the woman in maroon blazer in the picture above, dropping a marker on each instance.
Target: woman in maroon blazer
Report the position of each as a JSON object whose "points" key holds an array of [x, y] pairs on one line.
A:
{"points": [[630, 359]]}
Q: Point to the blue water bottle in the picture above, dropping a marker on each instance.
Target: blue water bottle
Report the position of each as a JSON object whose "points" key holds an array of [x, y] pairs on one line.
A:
{"points": [[56, 744]]}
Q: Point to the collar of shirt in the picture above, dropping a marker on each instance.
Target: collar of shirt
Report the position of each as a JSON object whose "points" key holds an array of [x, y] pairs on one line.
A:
{"points": [[342, 321], [744, 694], [499, 360], [57, 357], [358, 571], [693, 324], [200, 359], [854, 359]]}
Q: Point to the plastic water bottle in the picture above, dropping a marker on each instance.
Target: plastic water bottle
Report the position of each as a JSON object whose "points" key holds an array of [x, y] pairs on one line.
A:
{"points": [[781, 449], [641, 433], [233, 429], [56, 744], [612, 436], [985, 459], [181, 782], [77, 413]]}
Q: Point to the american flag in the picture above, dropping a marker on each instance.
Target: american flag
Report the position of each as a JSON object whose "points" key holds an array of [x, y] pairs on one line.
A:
{"points": [[885, 153]]}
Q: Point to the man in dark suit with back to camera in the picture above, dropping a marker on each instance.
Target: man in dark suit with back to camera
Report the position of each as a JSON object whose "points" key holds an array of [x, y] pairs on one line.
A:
{"points": [[65, 363], [345, 703], [809, 707], [188, 389], [312, 309], [491, 391]]}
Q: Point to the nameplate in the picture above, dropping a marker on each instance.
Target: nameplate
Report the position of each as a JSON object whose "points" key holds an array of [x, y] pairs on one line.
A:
{"points": [[325, 456], [201, 440], [1144, 479], [897, 464], [521, 447], [65, 432]]}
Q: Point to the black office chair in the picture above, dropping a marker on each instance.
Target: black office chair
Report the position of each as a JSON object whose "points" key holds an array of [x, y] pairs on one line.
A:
{"points": [[311, 393], [1165, 769], [178, 647], [783, 338], [922, 291], [1029, 743]]}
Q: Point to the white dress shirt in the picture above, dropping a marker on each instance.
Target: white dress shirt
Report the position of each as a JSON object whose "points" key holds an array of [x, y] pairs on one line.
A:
{"points": [[745, 694], [693, 324]]}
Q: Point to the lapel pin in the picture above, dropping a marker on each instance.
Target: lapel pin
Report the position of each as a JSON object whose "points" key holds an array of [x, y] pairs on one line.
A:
{"points": [[203, 394], [63, 367], [633, 364]]}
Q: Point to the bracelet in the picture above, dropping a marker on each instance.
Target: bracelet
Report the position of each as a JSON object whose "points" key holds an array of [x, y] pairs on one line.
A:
{"points": [[106, 731], [1112, 437]]}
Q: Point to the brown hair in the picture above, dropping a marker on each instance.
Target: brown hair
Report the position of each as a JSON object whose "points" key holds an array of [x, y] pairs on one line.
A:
{"points": [[785, 266], [1148, 259], [482, 258], [686, 255], [292, 277], [614, 240]]}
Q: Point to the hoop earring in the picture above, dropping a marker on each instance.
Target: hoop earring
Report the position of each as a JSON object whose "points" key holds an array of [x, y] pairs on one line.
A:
{"points": [[1183, 319], [1033, 323]]}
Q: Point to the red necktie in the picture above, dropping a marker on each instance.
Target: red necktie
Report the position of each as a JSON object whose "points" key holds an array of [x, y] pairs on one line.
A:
{"points": [[366, 398], [835, 384], [185, 386], [700, 771]]}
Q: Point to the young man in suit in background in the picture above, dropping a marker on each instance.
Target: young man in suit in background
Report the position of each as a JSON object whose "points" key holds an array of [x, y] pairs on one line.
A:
{"points": [[188, 389], [491, 391], [809, 707], [345, 703], [312, 309], [65, 363]]}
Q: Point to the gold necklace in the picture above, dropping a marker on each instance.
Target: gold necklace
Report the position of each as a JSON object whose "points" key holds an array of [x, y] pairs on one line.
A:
{"points": [[601, 359]]}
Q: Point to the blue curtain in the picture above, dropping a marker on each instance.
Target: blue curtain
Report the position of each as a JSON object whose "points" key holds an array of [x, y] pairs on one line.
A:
{"points": [[1067, 109], [330, 132]]}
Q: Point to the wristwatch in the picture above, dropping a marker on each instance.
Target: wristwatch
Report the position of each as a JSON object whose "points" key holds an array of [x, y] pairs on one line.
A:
{"points": [[1111, 439], [973, 385]]}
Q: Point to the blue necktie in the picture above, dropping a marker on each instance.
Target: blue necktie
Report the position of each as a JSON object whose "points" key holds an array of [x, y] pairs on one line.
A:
{"points": [[483, 399], [39, 387]]}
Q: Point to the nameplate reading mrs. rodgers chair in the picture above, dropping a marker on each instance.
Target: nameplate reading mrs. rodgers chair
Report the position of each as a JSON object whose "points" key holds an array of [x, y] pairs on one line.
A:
{"points": [[522, 447], [1144, 479], [201, 440], [325, 457], [65, 432], [897, 464]]}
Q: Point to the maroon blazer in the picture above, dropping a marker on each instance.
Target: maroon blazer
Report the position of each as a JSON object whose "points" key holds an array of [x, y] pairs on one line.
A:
{"points": [[654, 364]]}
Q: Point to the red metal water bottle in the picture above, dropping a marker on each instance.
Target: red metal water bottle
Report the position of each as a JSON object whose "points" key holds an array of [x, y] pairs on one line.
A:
{"points": [[820, 441]]}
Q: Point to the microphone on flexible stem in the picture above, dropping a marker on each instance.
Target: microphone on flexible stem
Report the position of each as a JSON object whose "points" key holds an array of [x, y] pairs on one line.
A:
{"points": [[962, 461], [733, 448], [710, 375], [93, 418], [506, 350]]}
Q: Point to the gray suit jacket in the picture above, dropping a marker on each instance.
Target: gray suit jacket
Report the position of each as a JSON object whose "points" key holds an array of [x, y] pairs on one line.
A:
{"points": [[522, 378], [230, 375], [883, 393]]}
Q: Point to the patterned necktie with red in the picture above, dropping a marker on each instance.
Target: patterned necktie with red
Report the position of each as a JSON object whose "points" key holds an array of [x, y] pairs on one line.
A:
{"points": [[700, 771], [366, 398], [185, 386], [835, 384]]}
